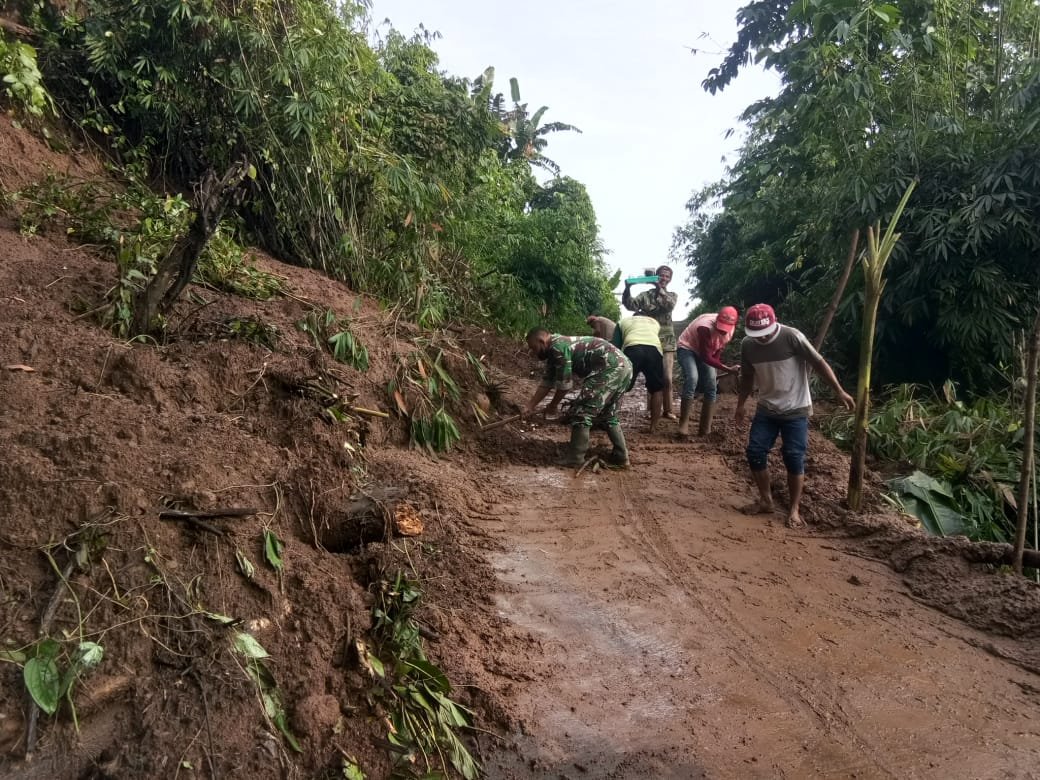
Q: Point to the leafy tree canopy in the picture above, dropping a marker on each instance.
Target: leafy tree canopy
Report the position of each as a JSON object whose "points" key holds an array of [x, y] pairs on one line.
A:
{"points": [[372, 163], [875, 94]]}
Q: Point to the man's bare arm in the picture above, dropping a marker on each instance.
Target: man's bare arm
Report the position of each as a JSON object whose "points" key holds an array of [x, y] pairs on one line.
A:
{"points": [[536, 398], [823, 368]]}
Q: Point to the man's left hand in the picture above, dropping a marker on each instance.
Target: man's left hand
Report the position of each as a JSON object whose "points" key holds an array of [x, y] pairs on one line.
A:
{"points": [[847, 400]]}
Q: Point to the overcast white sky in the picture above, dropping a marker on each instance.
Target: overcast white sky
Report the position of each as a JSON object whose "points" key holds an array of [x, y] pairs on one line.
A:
{"points": [[625, 75]]}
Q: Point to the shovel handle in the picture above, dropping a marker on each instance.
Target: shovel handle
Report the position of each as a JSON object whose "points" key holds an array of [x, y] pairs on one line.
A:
{"points": [[500, 423]]}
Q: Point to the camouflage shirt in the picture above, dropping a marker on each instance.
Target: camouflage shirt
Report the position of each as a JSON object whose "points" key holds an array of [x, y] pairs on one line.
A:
{"points": [[658, 305], [581, 356]]}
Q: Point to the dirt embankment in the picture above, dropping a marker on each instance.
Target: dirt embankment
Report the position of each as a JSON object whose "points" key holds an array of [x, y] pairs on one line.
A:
{"points": [[624, 625], [101, 436]]}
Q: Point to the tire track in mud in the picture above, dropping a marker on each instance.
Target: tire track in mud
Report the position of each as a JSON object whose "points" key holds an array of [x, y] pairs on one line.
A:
{"points": [[683, 639], [800, 694]]}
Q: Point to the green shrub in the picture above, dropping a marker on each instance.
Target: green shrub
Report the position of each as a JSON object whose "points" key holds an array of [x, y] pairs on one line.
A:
{"points": [[965, 455], [23, 83]]}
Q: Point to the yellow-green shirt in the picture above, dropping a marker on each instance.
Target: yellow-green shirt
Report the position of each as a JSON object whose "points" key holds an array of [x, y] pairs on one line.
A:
{"points": [[640, 331]]}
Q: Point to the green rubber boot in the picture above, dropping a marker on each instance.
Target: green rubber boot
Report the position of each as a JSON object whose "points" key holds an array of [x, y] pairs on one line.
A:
{"points": [[707, 415], [619, 455], [575, 454]]}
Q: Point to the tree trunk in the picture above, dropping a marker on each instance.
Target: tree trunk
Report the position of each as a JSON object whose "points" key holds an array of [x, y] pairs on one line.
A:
{"points": [[839, 291], [177, 268], [1027, 447]]}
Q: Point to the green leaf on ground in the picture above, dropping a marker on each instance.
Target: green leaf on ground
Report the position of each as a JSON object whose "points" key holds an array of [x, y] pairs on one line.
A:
{"points": [[245, 644], [244, 564], [273, 548], [43, 681]]}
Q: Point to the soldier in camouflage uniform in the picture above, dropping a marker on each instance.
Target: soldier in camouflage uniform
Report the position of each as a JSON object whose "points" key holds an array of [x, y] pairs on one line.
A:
{"points": [[658, 303], [607, 374]]}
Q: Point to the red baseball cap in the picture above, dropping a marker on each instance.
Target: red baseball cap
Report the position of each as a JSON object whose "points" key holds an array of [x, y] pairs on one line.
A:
{"points": [[726, 319], [760, 320]]}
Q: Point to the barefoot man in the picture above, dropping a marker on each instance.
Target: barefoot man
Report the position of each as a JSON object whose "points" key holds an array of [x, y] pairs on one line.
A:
{"points": [[777, 359]]}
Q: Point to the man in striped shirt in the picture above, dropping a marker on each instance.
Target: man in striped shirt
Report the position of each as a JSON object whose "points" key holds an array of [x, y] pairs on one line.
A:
{"points": [[777, 359]]}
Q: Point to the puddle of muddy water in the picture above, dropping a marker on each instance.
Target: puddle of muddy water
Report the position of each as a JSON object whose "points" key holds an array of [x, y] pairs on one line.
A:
{"points": [[608, 655], [600, 708]]}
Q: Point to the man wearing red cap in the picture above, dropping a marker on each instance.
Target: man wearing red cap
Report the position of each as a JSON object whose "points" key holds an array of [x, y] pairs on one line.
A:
{"points": [[777, 359], [700, 355]]}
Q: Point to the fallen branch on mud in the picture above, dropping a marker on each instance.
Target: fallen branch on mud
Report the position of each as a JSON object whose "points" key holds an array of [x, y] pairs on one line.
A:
{"points": [[500, 423], [199, 518], [595, 461], [367, 412], [206, 514]]}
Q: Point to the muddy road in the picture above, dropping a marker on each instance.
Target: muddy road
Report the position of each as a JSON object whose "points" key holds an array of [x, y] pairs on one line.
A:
{"points": [[680, 638]]}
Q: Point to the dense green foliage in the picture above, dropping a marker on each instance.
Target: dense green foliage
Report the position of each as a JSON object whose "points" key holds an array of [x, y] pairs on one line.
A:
{"points": [[966, 458], [136, 227], [874, 95], [372, 164], [22, 81]]}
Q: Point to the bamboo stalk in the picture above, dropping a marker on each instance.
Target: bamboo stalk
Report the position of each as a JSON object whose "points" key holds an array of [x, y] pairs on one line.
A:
{"points": [[839, 291], [368, 412], [879, 250], [1028, 447]]}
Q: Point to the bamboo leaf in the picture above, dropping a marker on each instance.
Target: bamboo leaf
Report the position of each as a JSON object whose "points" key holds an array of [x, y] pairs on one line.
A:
{"points": [[273, 548], [245, 644]]}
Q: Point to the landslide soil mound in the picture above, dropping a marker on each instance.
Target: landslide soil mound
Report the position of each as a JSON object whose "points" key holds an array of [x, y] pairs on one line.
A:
{"points": [[100, 436]]}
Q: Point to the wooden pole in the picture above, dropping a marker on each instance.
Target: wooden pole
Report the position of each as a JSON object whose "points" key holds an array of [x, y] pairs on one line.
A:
{"points": [[1027, 447], [839, 291]]}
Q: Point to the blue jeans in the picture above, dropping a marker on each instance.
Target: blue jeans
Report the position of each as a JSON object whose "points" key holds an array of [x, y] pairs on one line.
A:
{"points": [[697, 375], [794, 435]]}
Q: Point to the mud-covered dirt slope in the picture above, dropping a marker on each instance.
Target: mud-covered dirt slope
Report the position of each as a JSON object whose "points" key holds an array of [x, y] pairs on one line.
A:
{"points": [[101, 435]]}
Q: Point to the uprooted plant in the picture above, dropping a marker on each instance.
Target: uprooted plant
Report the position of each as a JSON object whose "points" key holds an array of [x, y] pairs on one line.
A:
{"points": [[421, 389], [424, 722], [425, 391]]}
